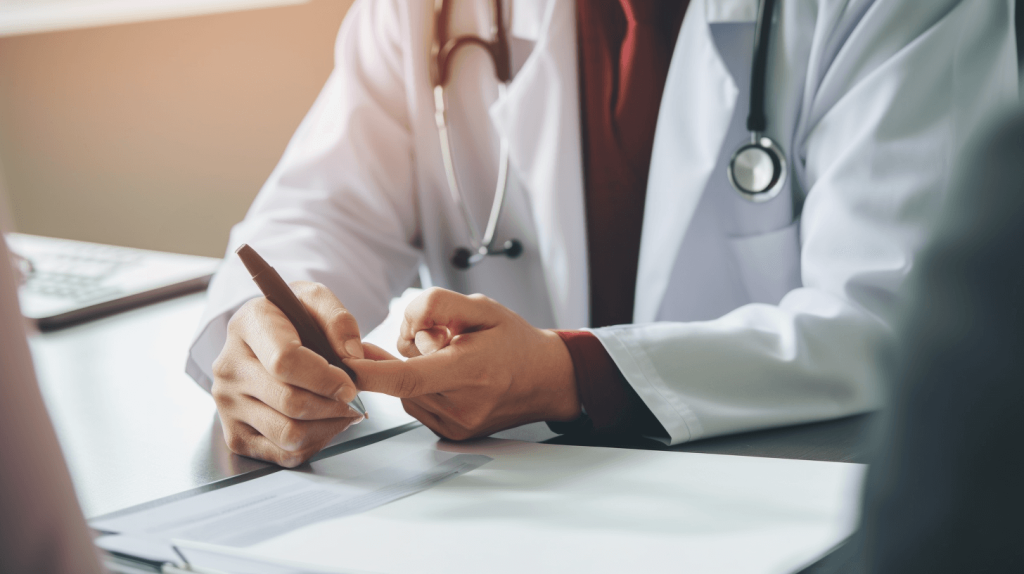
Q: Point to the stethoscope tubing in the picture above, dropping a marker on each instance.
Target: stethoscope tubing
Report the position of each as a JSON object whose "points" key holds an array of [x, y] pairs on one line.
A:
{"points": [[745, 168], [443, 51]]}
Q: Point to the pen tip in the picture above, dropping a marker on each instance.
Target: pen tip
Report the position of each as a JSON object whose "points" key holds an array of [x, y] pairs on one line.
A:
{"points": [[252, 260]]}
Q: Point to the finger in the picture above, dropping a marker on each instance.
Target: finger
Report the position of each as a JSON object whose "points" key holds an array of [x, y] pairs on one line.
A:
{"points": [[298, 403], [244, 440], [273, 341], [375, 353], [429, 419], [290, 434], [425, 342], [440, 307], [338, 324], [251, 379], [406, 379]]}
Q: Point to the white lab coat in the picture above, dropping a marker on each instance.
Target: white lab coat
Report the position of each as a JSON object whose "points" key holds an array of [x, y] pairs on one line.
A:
{"points": [[746, 315]]}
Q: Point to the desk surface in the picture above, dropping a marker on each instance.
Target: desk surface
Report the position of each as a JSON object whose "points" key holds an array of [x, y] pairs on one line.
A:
{"points": [[135, 428]]}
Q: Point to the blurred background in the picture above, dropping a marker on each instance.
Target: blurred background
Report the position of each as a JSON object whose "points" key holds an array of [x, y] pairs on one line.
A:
{"points": [[152, 123]]}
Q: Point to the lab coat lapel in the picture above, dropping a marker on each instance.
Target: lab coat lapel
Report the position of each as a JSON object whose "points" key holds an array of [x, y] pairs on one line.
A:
{"points": [[540, 117], [696, 108]]}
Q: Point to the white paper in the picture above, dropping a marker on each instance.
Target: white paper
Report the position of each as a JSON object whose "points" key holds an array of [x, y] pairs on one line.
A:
{"points": [[547, 508], [284, 501]]}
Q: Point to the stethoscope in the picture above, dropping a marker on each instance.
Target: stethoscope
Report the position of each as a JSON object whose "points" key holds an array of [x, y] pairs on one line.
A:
{"points": [[501, 56], [757, 169]]}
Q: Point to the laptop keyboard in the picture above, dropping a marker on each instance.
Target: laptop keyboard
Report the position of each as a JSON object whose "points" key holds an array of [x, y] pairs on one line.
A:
{"points": [[79, 271]]}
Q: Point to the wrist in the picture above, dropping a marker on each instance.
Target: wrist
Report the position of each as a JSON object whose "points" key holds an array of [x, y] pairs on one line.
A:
{"points": [[563, 396]]}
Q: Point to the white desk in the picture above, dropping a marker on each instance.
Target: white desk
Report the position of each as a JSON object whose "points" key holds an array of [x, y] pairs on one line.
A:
{"points": [[133, 426]]}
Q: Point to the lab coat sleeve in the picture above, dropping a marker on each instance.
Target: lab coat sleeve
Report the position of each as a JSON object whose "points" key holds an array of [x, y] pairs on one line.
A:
{"points": [[340, 206], [884, 124]]}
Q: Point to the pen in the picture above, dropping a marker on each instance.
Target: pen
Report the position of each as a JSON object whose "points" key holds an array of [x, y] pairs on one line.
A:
{"points": [[280, 294]]}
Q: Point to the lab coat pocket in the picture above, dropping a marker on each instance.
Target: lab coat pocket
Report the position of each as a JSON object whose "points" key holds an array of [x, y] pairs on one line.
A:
{"points": [[769, 263]]}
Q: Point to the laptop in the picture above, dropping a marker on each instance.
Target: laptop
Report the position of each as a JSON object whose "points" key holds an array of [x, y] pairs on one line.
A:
{"points": [[67, 281]]}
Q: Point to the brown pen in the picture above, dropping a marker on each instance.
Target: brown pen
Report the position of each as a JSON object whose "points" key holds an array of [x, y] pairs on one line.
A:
{"points": [[280, 294]]}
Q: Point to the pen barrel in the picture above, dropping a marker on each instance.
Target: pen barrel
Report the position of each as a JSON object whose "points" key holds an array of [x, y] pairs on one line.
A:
{"points": [[310, 334]]}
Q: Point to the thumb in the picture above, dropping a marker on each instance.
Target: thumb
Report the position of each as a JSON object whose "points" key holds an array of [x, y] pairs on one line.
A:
{"points": [[443, 314]]}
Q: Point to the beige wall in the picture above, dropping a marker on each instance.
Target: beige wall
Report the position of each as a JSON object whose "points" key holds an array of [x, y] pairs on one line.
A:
{"points": [[157, 134]]}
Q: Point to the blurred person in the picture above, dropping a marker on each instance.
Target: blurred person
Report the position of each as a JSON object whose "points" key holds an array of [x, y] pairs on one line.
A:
{"points": [[713, 202], [944, 491], [41, 525]]}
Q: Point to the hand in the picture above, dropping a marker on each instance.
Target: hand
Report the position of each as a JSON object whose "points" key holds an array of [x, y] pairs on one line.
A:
{"points": [[279, 401], [475, 368]]}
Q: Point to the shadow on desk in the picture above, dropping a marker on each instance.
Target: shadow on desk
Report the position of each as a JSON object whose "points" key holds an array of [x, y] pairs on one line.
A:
{"points": [[840, 440]]}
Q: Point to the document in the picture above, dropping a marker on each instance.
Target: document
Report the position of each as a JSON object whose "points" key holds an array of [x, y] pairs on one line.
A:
{"points": [[546, 508], [282, 502]]}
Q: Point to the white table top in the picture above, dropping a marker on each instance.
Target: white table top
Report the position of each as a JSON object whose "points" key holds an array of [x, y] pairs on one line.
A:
{"points": [[133, 426]]}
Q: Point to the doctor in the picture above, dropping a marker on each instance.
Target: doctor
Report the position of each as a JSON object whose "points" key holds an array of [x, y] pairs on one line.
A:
{"points": [[729, 292]]}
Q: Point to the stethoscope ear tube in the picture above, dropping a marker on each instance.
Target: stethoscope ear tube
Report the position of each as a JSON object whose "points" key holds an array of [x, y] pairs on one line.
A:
{"points": [[499, 51]]}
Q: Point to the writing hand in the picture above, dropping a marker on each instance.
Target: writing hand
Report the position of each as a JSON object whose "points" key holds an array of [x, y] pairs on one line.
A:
{"points": [[485, 369], [279, 401]]}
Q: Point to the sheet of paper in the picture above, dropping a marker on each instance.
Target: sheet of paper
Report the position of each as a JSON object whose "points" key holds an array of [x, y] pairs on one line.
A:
{"points": [[547, 508], [265, 507]]}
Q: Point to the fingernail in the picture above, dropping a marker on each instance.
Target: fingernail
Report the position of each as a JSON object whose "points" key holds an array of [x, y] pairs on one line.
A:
{"points": [[354, 348]]}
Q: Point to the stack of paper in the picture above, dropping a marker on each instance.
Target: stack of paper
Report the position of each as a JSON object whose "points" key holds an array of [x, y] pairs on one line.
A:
{"points": [[545, 508]]}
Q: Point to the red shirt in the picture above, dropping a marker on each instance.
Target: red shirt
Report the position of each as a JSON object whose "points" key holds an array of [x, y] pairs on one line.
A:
{"points": [[624, 52]]}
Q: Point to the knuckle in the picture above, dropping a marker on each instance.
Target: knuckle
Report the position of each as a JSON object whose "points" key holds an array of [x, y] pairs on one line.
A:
{"points": [[223, 367], [342, 319], [481, 298], [236, 443], [346, 393], [251, 308], [291, 402], [472, 421], [282, 363], [434, 296], [238, 317], [458, 434], [309, 289], [288, 460], [292, 436], [220, 393]]}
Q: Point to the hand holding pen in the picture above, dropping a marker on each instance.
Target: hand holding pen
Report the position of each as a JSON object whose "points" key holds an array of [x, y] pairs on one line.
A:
{"points": [[280, 385]]}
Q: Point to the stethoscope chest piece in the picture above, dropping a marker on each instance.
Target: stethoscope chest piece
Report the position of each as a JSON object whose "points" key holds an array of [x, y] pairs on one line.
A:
{"points": [[463, 258], [758, 169]]}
